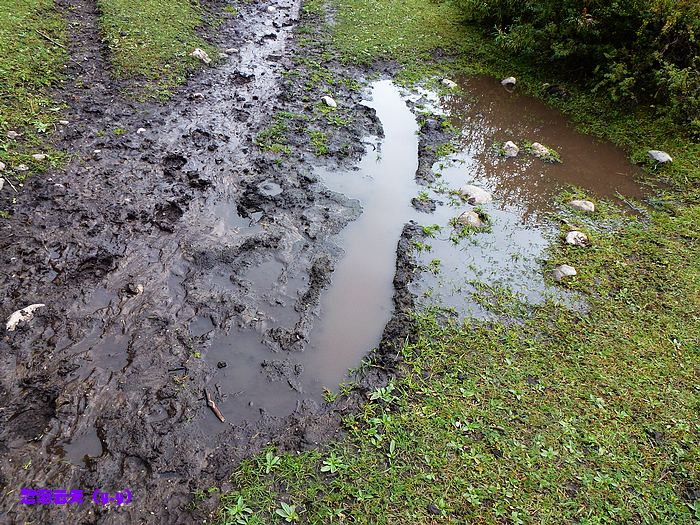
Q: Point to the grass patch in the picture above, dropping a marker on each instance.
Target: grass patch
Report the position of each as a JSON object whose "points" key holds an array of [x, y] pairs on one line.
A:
{"points": [[151, 40], [30, 66]]}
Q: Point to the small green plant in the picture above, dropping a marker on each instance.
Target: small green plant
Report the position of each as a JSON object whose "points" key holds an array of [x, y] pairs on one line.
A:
{"points": [[384, 393], [119, 131], [288, 512], [432, 230], [271, 461], [333, 464], [434, 266], [318, 141], [329, 396], [422, 247], [423, 196], [230, 10], [239, 513]]}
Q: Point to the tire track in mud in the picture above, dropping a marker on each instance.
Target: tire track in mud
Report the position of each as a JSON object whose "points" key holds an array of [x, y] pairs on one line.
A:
{"points": [[142, 236]]}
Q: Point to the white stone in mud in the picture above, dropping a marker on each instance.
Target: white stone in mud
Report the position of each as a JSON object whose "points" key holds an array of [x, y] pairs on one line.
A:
{"points": [[2, 166], [582, 205], [223, 55], [271, 9], [511, 149], [576, 238], [475, 195], [508, 82], [39, 157], [22, 316], [660, 156], [231, 50], [470, 219], [563, 271], [12, 135], [539, 150], [201, 55], [140, 131], [63, 122], [449, 83], [22, 167], [328, 101]]}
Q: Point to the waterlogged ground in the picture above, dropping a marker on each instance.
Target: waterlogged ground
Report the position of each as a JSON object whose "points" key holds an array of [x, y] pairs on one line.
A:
{"points": [[216, 252]]}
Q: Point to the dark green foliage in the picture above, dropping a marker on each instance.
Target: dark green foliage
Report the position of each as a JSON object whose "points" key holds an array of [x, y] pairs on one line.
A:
{"points": [[636, 50]]}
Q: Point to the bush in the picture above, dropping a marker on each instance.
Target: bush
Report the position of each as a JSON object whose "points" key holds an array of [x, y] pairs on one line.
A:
{"points": [[636, 50]]}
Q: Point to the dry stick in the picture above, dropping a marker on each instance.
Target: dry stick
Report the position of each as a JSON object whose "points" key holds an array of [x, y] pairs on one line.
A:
{"points": [[11, 185], [212, 405], [47, 37]]}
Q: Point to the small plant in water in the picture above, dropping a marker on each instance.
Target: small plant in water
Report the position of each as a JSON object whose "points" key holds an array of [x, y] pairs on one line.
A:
{"points": [[271, 461], [288, 512], [431, 231], [333, 464], [423, 196]]}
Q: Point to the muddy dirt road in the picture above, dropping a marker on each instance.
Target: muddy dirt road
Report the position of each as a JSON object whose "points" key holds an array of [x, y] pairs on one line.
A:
{"points": [[171, 260], [178, 259]]}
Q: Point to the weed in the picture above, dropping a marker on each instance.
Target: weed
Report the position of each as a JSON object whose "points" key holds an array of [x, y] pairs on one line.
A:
{"points": [[288, 512], [333, 463]]}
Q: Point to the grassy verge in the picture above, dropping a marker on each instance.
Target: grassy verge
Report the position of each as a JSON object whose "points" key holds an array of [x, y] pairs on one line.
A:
{"points": [[31, 62], [151, 41], [551, 416]]}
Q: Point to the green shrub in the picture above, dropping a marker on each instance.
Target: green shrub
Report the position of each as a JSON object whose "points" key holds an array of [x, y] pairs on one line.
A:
{"points": [[635, 50]]}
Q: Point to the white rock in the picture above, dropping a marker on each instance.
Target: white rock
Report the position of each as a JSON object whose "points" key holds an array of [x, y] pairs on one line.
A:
{"points": [[22, 316], [2, 184], [539, 150], [231, 50], [508, 82], [330, 102], [201, 55], [39, 157], [576, 238], [471, 219], [198, 96], [271, 9], [581, 205], [12, 135], [97, 151], [2, 166], [223, 55], [63, 122], [449, 83], [22, 167], [475, 195], [140, 131], [660, 156], [511, 149], [563, 271]]}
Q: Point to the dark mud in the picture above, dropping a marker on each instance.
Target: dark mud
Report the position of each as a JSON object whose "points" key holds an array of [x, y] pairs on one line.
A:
{"points": [[172, 259]]}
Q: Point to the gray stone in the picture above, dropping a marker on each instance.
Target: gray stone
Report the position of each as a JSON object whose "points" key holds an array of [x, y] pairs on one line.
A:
{"points": [[2, 166], [271, 9], [563, 271], [582, 205], [470, 219], [660, 156], [475, 195], [576, 238], [63, 122], [508, 82], [449, 83], [39, 157], [330, 102], [511, 149], [201, 55], [12, 135], [539, 150], [22, 167]]}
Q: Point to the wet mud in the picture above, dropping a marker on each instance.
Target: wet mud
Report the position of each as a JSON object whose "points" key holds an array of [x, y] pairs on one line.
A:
{"points": [[183, 259]]}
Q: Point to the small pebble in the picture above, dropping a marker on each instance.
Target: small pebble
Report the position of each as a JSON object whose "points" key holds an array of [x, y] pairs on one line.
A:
{"points": [[660, 156], [449, 83], [582, 205], [22, 167], [330, 102], [12, 135], [508, 82], [39, 157], [563, 271], [576, 238]]}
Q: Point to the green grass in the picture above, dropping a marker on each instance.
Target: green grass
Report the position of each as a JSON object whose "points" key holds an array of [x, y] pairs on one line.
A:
{"points": [[549, 415], [151, 40], [30, 66]]}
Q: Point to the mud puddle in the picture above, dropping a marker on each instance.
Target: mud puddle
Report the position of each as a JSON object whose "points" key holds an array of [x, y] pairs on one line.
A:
{"points": [[358, 304], [508, 255]]}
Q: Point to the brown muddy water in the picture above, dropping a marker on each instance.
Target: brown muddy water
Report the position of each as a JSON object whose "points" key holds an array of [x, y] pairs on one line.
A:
{"points": [[510, 255]]}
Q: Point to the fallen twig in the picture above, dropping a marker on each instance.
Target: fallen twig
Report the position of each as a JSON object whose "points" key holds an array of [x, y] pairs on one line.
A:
{"points": [[11, 185], [211, 404], [47, 37]]}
